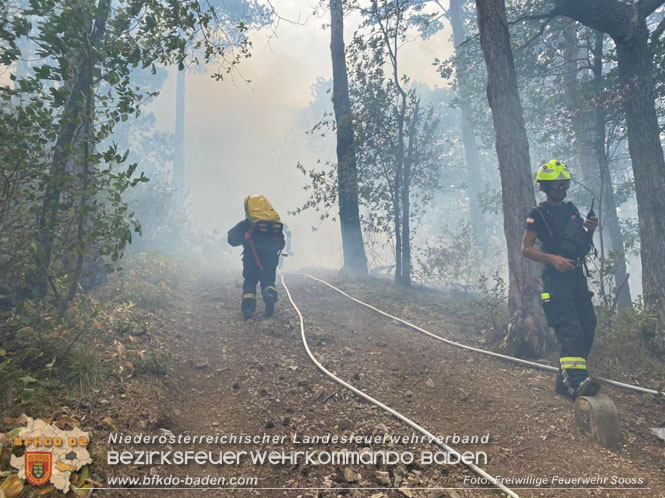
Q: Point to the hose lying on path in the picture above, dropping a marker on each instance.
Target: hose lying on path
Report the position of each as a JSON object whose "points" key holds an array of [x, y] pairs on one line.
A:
{"points": [[431, 437], [528, 363]]}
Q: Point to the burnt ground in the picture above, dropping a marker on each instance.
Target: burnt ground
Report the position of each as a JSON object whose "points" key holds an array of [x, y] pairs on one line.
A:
{"points": [[254, 377]]}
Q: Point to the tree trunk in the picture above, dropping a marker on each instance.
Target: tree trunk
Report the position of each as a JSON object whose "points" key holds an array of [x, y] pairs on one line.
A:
{"points": [[646, 153], [471, 155], [406, 201], [398, 225], [76, 270], [589, 129], [626, 24], [526, 331], [406, 228], [355, 260], [179, 158], [399, 185]]}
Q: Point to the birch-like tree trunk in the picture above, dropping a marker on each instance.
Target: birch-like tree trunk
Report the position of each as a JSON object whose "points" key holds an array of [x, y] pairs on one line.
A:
{"points": [[471, 155]]}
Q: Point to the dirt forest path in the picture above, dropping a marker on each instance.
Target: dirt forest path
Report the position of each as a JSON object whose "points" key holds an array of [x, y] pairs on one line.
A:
{"points": [[253, 377]]}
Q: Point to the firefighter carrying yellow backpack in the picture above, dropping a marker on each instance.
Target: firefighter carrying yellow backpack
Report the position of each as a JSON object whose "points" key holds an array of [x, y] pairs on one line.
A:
{"points": [[262, 216], [264, 222]]}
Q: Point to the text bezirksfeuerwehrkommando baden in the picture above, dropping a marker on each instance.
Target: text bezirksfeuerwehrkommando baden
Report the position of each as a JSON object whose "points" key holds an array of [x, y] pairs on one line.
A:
{"points": [[293, 457]]}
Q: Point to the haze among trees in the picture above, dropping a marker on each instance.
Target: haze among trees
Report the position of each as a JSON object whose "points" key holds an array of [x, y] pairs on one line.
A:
{"points": [[589, 84], [429, 186]]}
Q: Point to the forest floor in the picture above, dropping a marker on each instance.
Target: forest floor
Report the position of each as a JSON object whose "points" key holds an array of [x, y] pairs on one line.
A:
{"points": [[175, 357], [254, 377]]}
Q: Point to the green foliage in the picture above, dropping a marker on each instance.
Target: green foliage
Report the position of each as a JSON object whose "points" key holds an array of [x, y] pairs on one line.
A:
{"points": [[452, 262], [48, 357], [621, 349], [83, 369], [602, 278], [492, 309], [375, 102], [151, 283], [121, 320], [151, 363], [10, 382], [62, 181]]}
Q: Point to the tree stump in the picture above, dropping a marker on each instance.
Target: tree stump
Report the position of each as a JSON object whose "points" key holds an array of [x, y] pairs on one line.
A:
{"points": [[597, 415]]}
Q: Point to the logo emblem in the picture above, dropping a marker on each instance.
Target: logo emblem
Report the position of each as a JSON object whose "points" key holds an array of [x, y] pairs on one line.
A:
{"points": [[38, 465]]}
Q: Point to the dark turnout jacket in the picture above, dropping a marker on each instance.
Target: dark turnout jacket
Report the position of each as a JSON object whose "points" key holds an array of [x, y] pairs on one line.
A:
{"points": [[266, 249], [236, 235]]}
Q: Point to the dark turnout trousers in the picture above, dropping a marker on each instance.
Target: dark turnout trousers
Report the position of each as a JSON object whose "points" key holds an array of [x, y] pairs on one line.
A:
{"points": [[259, 264], [569, 311], [253, 275], [267, 253]]}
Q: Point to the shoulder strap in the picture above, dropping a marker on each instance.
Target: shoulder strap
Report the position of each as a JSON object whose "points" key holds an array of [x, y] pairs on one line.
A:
{"points": [[573, 208], [549, 229], [250, 239]]}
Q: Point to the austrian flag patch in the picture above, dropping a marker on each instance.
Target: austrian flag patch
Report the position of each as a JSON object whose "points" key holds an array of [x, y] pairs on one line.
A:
{"points": [[530, 220]]}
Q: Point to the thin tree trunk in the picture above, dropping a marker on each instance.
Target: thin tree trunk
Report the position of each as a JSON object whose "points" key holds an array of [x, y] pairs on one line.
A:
{"points": [[526, 332], [471, 155], [355, 260], [398, 225], [399, 185], [406, 198], [179, 158], [391, 40]]}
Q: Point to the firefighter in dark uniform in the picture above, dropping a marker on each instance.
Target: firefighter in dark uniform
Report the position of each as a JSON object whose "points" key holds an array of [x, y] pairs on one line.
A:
{"points": [[261, 250], [565, 240]]}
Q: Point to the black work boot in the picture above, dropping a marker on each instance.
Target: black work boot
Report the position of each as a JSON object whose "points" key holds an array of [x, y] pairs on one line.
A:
{"points": [[576, 383], [269, 298], [588, 387], [248, 306]]}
